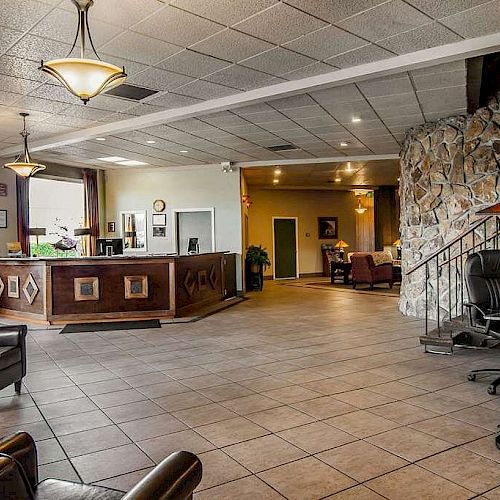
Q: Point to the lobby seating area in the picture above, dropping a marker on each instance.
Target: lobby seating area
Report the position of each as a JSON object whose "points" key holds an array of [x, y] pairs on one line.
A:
{"points": [[340, 402]]}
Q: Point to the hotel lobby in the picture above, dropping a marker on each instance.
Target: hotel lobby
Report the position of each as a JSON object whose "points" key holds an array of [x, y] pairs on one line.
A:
{"points": [[249, 249]]}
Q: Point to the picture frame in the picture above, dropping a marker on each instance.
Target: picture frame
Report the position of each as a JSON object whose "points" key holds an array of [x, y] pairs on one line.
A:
{"points": [[159, 232], [112, 227], [13, 287], [3, 189], [136, 287], [159, 219], [3, 219], [86, 288], [328, 228]]}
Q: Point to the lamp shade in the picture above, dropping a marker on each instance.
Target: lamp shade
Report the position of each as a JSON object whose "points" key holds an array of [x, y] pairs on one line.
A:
{"points": [[397, 243], [85, 78], [341, 244], [38, 231], [82, 231]]}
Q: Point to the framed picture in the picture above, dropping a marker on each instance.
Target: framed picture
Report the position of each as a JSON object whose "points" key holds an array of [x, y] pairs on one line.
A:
{"points": [[136, 287], [159, 219], [159, 232], [13, 287], [111, 227], [3, 189], [327, 228], [3, 219], [86, 288]]}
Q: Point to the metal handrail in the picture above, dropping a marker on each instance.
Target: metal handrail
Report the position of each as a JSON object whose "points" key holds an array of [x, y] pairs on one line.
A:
{"points": [[448, 245]]}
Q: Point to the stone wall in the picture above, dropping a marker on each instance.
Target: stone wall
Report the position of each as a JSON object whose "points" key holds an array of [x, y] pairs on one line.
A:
{"points": [[449, 170]]}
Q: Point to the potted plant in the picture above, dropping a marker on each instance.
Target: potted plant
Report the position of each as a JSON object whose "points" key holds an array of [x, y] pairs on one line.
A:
{"points": [[258, 258]]}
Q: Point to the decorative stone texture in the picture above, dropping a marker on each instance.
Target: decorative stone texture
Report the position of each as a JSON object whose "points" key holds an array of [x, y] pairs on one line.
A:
{"points": [[449, 171]]}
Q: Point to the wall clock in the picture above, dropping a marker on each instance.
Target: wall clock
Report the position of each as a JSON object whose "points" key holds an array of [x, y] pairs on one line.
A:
{"points": [[159, 205]]}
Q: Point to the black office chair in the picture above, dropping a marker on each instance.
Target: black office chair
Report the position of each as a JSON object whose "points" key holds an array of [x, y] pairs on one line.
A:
{"points": [[482, 275]]}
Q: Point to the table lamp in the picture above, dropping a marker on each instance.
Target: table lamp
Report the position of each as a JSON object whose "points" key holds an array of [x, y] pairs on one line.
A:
{"points": [[341, 244], [397, 244]]}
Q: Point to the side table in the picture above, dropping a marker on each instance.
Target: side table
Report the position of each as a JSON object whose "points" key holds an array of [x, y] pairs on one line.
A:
{"points": [[344, 268]]}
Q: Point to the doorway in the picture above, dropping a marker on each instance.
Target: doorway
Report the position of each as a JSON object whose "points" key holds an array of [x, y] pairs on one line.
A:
{"points": [[285, 248]]}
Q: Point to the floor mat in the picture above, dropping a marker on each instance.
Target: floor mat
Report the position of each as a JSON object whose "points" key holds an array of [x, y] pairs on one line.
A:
{"points": [[118, 325]]}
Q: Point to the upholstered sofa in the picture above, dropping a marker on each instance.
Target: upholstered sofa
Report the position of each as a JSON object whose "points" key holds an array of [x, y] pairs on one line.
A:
{"points": [[12, 355], [371, 268], [175, 478]]}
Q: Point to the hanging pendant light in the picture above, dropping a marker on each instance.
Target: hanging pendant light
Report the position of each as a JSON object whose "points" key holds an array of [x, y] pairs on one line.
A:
{"points": [[84, 78], [23, 165], [360, 209]]}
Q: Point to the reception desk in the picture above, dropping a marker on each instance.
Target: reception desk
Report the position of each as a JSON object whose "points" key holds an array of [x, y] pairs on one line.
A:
{"points": [[74, 290]]}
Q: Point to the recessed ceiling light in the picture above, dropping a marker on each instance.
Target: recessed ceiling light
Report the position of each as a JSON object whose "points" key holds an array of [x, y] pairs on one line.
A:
{"points": [[277, 171], [183, 151], [276, 181], [132, 163], [344, 144], [338, 179], [151, 142], [100, 139], [112, 159], [356, 119]]}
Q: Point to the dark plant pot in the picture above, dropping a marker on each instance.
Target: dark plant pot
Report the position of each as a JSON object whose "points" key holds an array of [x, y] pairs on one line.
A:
{"points": [[255, 268]]}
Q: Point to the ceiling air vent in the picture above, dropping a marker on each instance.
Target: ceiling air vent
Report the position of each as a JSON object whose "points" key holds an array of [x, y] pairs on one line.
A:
{"points": [[131, 92], [283, 147]]}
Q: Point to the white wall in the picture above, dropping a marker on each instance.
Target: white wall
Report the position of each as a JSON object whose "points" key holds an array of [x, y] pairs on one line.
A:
{"points": [[8, 203], [188, 187]]}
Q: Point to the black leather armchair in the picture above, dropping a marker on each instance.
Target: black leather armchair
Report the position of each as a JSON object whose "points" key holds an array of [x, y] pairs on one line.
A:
{"points": [[12, 355], [175, 478]]}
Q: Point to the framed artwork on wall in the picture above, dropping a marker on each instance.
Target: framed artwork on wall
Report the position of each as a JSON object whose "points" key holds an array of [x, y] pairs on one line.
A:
{"points": [[13, 287], [159, 232], [3, 219], [111, 227], [3, 189], [327, 228], [159, 219]]}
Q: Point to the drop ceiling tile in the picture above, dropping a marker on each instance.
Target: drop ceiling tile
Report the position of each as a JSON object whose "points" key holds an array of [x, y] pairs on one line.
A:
{"points": [[170, 100], [205, 90], [444, 8], [277, 61], [159, 79], [280, 125], [315, 122], [242, 130], [395, 111], [8, 98], [305, 112], [440, 68], [431, 116], [253, 108], [239, 77], [325, 42], [109, 103], [21, 68], [280, 24], [232, 45], [17, 85], [193, 64], [314, 69], [8, 38], [22, 14], [403, 120], [424, 37], [482, 20], [385, 20], [367, 124], [35, 48], [80, 111], [337, 95], [177, 27], [139, 48], [191, 125], [333, 11], [396, 84], [292, 102], [440, 80], [73, 121], [442, 99], [264, 117], [367, 54], [123, 13], [45, 105], [139, 109], [62, 25]]}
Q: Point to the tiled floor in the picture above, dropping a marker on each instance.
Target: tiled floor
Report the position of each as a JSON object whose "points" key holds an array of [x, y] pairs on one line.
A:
{"points": [[297, 393]]}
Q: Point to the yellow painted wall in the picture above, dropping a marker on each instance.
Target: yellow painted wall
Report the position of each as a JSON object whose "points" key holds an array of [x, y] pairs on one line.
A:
{"points": [[307, 206]]}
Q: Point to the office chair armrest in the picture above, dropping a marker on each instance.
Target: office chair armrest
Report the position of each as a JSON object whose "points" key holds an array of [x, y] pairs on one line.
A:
{"points": [[12, 335], [22, 448], [175, 478]]}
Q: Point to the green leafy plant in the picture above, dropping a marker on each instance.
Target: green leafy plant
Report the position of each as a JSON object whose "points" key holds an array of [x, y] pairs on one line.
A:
{"points": [[258, 256]]}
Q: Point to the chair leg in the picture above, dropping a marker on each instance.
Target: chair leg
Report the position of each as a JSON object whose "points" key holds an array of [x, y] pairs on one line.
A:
{"points": [[17, 386], [354, 285]]}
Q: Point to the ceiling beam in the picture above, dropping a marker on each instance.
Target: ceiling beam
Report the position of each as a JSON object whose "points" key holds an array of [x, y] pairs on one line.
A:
{"points": [[428, 57], [312, 161]]}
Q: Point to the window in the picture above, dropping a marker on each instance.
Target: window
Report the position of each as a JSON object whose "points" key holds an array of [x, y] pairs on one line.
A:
{"points": [[57, 207]]}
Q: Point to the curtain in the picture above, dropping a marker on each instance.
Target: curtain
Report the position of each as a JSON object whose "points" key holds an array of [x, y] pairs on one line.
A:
{"points": [[23, 213], [91, 208]]}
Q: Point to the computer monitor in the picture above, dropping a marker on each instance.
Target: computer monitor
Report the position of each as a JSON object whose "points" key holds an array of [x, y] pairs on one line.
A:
{"points": [[109, 247], [193, 246]]}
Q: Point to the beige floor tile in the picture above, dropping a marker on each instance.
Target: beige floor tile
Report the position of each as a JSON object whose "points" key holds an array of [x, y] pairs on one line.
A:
{"points": [[356, 493], [362, 423], [149, 427], [363, 398], [250, 404], [133, 411], [291, 394], [124, 482], [224, 392], [77, 423], [415, 483], [485, 447], [218, 468], [316, 437], [176, 402], [279, 419], [49, 451], [202, 415], [362, 380], [451, 430], [476, 473], [324, 407], [477, 415], [329, 386], [306, 479], [409, 444], [231, 431], [265, 383], [248, 488], [493, 494], [361, 461], [60, 470], [402, 413], [397, 390], [438, 403], [263, 453]]}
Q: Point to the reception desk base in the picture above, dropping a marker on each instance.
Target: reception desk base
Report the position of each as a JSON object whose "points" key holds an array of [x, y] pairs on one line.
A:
{"points": [[96, 289]]}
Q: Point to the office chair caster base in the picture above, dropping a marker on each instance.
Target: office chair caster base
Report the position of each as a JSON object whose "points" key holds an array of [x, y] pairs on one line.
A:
{"points": [[471, 377], [492, 390]]}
